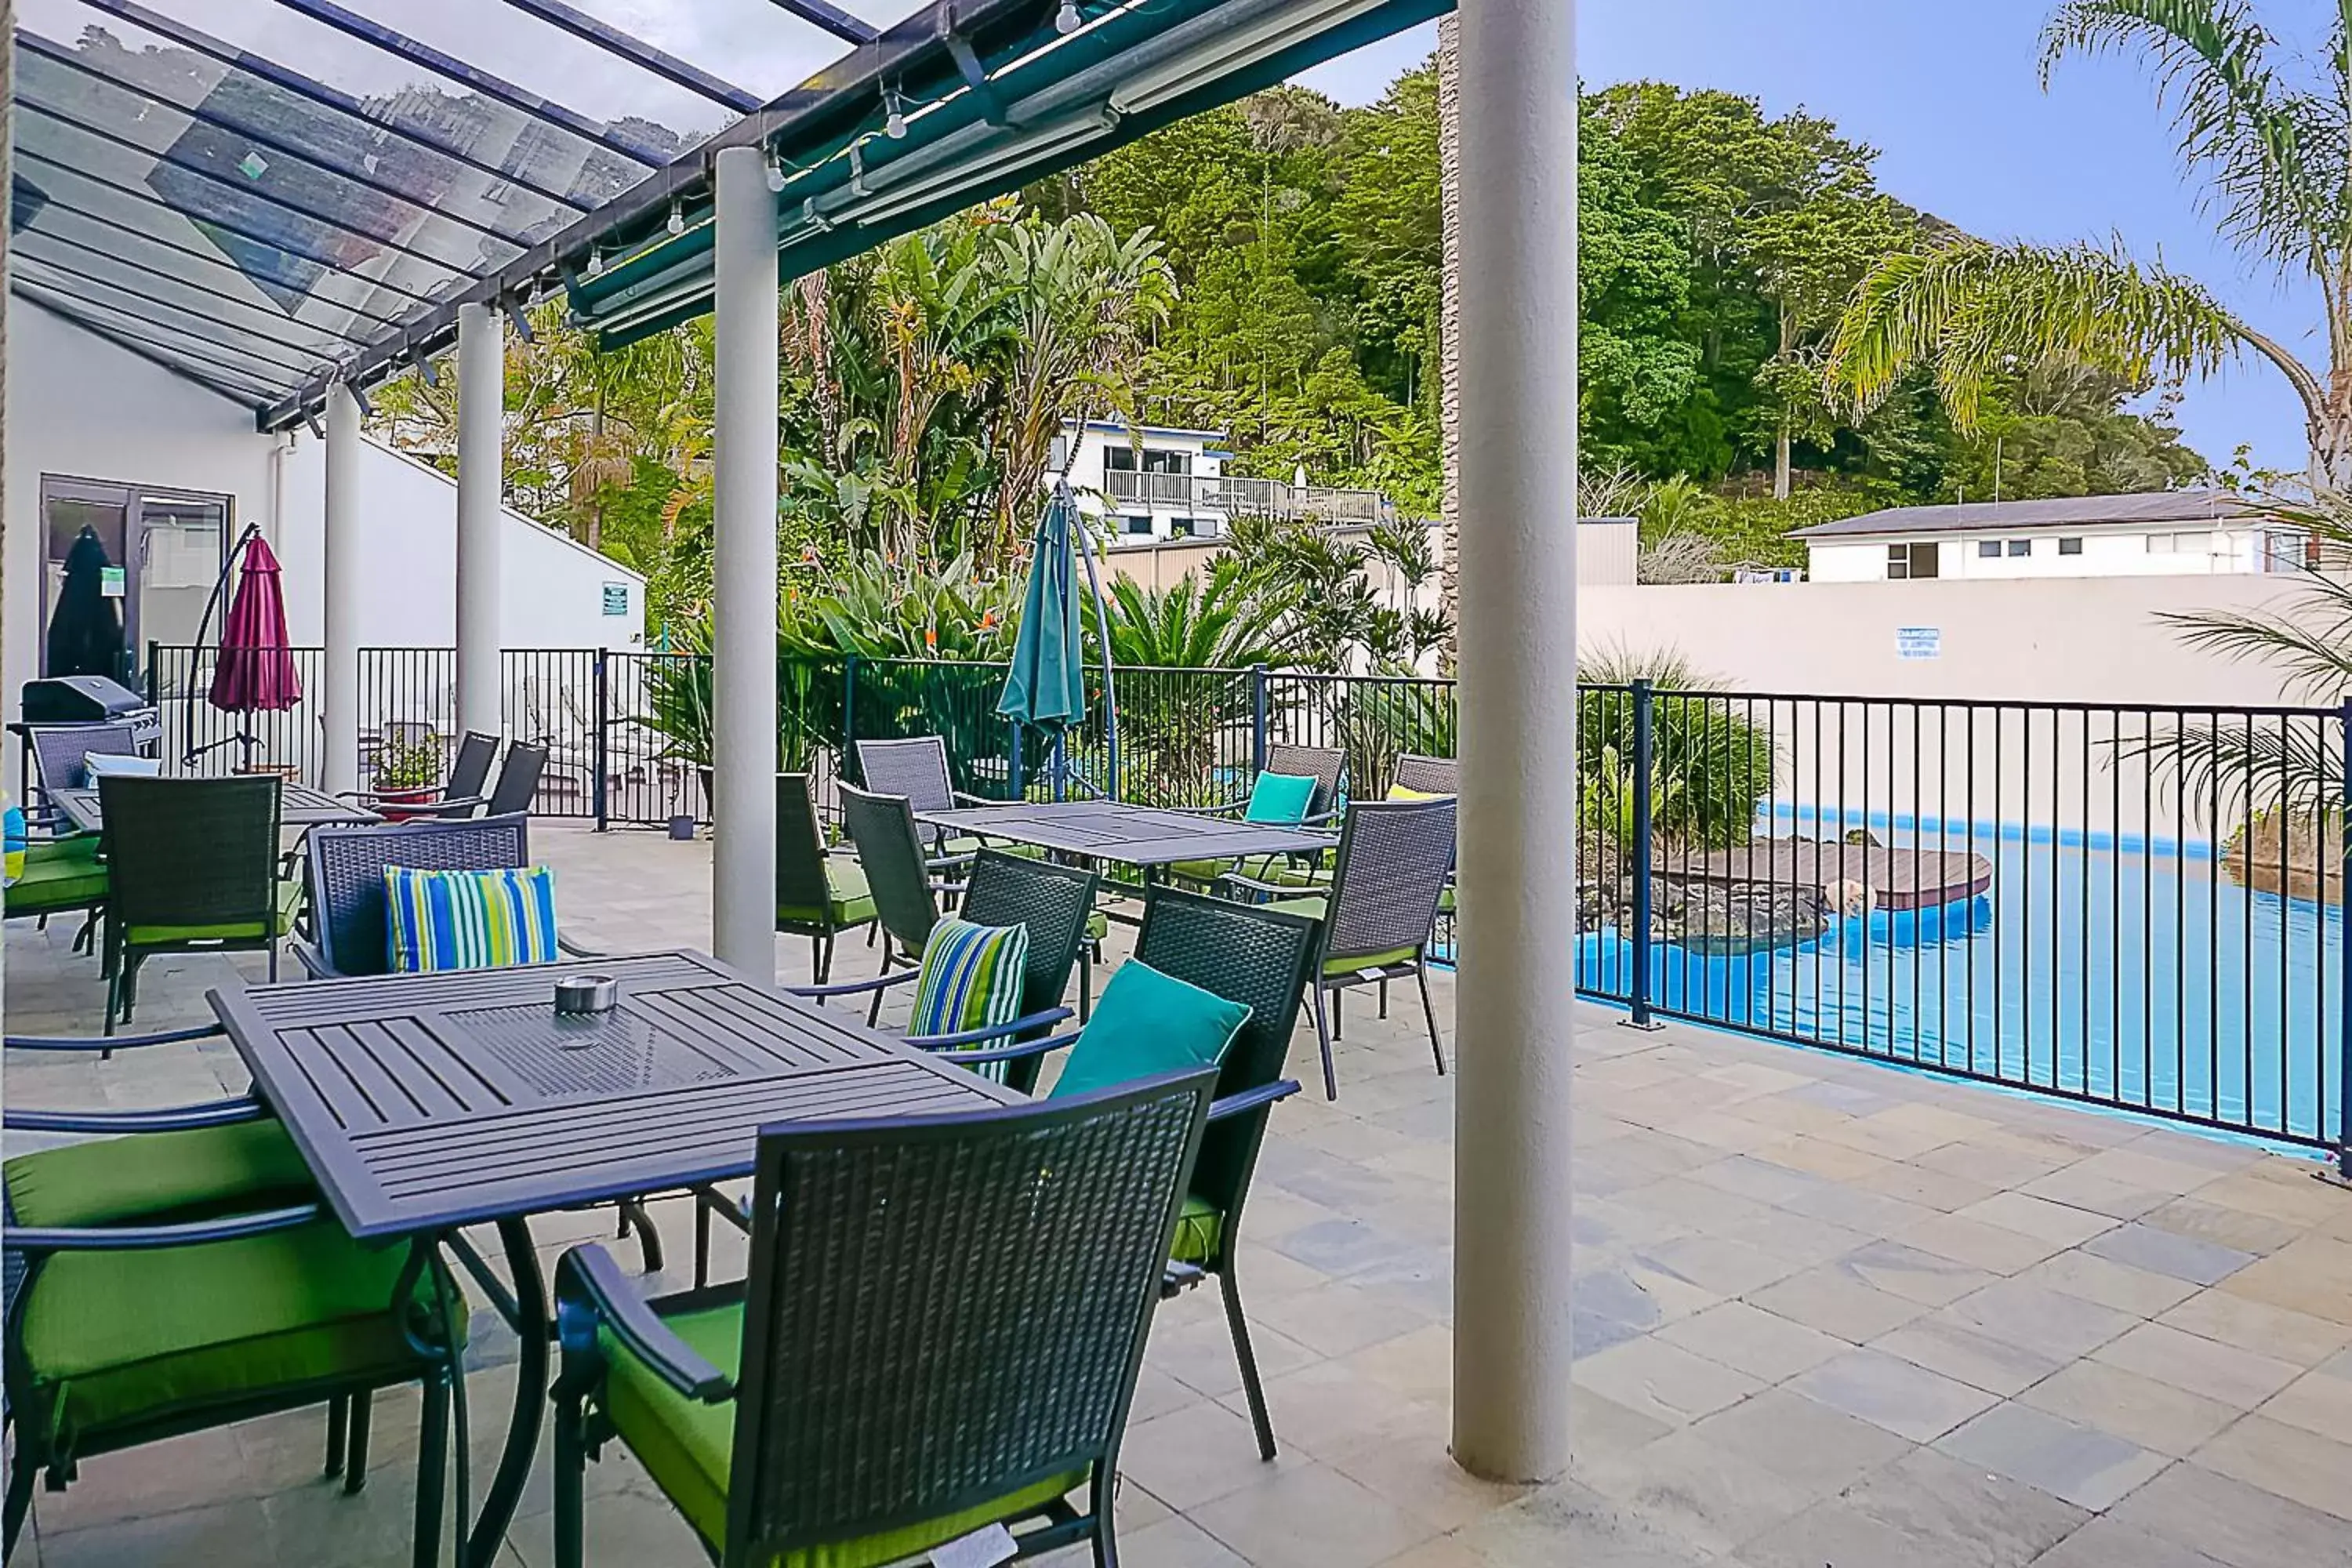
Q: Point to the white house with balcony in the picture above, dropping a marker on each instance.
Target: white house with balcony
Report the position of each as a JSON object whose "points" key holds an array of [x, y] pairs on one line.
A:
{"points": [[1152, 483], [2164, 533]]}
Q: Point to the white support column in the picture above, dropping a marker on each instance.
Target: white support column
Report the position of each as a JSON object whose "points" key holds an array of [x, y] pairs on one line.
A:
{"points": [[481, 404], [341, 698], [1516, 993], [743, 525]]}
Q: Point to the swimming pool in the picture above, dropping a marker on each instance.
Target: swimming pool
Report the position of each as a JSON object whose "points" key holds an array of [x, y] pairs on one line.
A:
{"points": [[2135, 975]]}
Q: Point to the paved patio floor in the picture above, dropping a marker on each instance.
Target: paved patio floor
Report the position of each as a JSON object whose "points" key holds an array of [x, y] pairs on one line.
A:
{"points": [[1828, 1313]]}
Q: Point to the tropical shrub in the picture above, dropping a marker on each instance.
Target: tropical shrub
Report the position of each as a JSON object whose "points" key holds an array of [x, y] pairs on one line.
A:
{"points": [[1710, 767]]}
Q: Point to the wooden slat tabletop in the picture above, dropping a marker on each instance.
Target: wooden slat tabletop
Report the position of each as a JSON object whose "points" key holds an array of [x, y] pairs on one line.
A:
{"points": [[425, 1101], [1136, 834]]}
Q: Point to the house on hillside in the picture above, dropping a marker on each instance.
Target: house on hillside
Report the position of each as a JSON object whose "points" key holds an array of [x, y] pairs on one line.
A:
{"points": [[2164, 533], [1149, 484]]}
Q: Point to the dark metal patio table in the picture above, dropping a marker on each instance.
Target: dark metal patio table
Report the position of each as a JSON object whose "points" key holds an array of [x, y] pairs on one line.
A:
{"points": [[428, 1102], [1146, 836], [298, 806]]}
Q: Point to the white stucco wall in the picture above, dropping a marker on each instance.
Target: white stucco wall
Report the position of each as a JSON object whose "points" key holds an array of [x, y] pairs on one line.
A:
{"points": [[2188, 551]]}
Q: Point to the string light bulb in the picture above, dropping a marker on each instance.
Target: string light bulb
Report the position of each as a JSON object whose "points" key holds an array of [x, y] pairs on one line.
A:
{"points": [[676, 224], [895, 127], [776, 172], [595, 264], [1067, 20]]}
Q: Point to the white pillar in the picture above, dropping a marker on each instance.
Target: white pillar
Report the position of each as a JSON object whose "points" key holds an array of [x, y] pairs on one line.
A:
{"points": [[743, 526], [481, 403], [341, 698], [1516, 993]]}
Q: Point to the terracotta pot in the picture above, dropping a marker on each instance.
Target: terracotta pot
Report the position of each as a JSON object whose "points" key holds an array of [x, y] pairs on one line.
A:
{"points": [[389, 801]]}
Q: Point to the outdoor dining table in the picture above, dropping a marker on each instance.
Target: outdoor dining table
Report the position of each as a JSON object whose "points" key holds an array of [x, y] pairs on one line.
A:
{"points": [[298, 806], [1148, 836], [425, 1103]]}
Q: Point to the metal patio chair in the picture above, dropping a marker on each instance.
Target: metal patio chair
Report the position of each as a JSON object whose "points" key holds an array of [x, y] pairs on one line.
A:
{"points": [[1427, 776], [57, 751], [1324, 765], [460, 794], [940, 1330], [191, 867], [899, 875], [819, 894], [1386, 885], [344, 868], [518, 783], [917, 769]]}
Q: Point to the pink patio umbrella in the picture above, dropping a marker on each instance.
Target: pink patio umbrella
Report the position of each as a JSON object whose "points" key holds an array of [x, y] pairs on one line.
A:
{"points": [[254, 673]]}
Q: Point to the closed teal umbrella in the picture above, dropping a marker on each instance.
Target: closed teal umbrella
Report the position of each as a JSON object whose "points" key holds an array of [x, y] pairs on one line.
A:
{"points": [[1046, 685]]}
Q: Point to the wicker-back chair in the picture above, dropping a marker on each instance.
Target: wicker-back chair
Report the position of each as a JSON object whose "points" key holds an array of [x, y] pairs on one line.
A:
{"points": [[915, 768], [1389, 879], [1057, 904], [941, 1330], [1427, 776], [897, 874], [57, 751], [192, 865], [1263, 958], [519, 774], [345, 867], [1324, 765], [819, 895]]}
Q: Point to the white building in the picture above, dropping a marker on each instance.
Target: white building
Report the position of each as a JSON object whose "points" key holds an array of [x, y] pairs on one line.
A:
{"points": [[1156, 482], [2165, 533]]}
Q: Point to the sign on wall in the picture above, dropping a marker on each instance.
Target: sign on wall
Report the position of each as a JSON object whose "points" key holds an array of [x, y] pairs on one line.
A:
{"points": [[616, 598], [1919, 642]]}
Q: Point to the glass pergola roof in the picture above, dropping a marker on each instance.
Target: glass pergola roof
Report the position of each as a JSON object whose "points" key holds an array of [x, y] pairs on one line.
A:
{"points": [[268, 195]]}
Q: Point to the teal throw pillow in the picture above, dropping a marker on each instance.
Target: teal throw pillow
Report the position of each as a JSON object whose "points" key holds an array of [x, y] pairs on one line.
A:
{"points": [[970, 979], [1147, 1023], [1281, 798], [468, 920]]}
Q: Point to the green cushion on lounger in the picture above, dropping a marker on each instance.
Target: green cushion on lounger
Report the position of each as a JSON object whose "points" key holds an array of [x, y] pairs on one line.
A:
{"points": [[122, 1339], [689, 1448], [1146, 1023], [290, 904], [853, 903], [1313, 907], [159, 1177], [1196, 1231]]}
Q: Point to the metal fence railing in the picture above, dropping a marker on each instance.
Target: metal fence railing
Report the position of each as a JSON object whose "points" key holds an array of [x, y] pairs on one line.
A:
{"points": [[2139, 907]]}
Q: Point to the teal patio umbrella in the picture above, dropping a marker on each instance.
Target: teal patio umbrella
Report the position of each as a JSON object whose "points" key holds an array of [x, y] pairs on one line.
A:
{"points": [[1046, 685]]}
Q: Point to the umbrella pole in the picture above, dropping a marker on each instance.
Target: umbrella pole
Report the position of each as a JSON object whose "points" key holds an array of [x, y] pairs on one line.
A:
{"points": [[1102, 634], [246, 535]]}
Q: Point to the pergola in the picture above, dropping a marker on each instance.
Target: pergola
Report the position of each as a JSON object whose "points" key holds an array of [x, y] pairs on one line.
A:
{"points": [[288, 201]]}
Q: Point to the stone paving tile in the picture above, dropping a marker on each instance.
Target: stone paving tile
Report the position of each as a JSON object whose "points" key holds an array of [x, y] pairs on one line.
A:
{"points": [[1927, 1278], [2041, 1218], [2110, 1284], [2312, 1275], [1890, 1392], [1310, 1516], [2318, 1402], [2109, 1543], [1943, 1345], [1567, 1522], [2160, 1251], [1762, 1344], [2312, 1470], [2231, 1522], [1663, 1382], [2294, 1337], [2081, 1465], [2225, 1227], [1951, 1506], [2239, 1378], [1978, 1245], [2140, 1409], [1837, 1301]]}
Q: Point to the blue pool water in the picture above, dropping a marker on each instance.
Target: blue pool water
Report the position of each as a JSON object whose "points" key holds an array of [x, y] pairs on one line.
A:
{"points": [[2140, 976]]}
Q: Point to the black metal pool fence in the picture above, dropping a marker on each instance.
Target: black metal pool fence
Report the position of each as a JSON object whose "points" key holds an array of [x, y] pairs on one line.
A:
{"points": [[2137, 906]]}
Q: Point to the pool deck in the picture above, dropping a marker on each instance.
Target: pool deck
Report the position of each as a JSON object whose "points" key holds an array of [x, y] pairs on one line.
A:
{"points": [[1828, 1313]]}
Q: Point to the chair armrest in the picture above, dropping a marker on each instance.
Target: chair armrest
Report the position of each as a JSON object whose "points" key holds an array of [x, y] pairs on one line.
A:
{"points": [[853, 987], [736, 1212], [993, 1031], [592, 1291], [970, 799], [167, 1118], [109, 1042], [571, 949], [150, 1238], [1014, 1052], [314, 962], [1251, 1100], [438, 807], [1333, 814], [1276, 889]]}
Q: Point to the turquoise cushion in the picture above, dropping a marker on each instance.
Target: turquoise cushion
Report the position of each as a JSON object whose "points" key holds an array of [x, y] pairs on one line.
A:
{"points": [[1147, 1023], [1281, 798], [970, 978], [469, 919]]}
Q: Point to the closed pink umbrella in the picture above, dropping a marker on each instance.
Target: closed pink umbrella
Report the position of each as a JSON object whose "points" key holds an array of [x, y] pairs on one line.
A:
{"points": [[255, 671]]}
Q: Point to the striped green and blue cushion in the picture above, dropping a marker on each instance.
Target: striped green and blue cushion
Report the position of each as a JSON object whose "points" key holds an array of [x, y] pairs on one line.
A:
{"points": [[970, 978], [469, 919]]}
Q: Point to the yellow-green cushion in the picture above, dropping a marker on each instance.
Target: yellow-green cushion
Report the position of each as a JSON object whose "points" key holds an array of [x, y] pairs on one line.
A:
{"points": [[160, 1176], [1313, 907], [853, 902], [289, 905], [1405, 792], [118, 1339], [1196, 1231], [1097, 926], [1446, 900], [688, 1449], [61, 876], [1200, 871]]}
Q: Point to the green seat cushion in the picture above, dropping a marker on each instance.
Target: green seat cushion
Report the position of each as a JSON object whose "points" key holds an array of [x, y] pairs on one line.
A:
{"points": [[1147, 1023], [116, 1340], [1445, 900], [1197, 1226], [160, 1176], [1200, 871], [687, 1447], [1097, 925], [852, 900], [289, 905], [1313, 907], [64, 875]]}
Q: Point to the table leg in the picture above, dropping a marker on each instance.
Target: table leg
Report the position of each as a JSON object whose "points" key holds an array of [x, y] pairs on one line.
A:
{"points": [[529, 1322]]}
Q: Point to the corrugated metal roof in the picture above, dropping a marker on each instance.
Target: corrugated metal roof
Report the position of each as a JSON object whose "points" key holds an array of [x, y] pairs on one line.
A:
{"points": [[2027, 516]]}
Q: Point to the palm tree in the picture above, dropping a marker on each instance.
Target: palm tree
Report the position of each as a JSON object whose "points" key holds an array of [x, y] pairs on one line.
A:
{"points": [[2269, 134]]}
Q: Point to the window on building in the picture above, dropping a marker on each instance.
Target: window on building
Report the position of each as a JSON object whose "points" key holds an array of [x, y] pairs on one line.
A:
{"points": [[1118, 457], [1988, 548], [1157, 462], [2070, 547], [1058, 457], [2021, 547], [1909, 560], [1139, 522], [1181, 528]]}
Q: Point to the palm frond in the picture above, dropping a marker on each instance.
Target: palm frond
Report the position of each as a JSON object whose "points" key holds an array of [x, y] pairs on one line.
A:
{"points": [[2236, 772]]}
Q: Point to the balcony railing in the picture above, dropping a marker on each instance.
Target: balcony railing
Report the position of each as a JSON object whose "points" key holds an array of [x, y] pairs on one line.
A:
{"points": [[1231, 495]]}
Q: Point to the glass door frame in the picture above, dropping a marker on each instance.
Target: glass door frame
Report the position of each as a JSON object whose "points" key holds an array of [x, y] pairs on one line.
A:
{"points": [[134, 499]]}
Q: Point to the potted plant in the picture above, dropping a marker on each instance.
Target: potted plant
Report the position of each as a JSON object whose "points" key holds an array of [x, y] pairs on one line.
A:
{"points": [[406, 775]]}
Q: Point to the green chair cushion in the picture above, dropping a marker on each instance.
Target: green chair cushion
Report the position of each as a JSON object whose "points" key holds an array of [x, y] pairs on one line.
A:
{"points": [[1146, 1023], [1097, 926], [687, 1447], [289, 905], [1445, 900], [116, 1340], [66, 875], [1200, 871], [160, 1176], [1313, 907], [852, 900], [1197, 1227]]}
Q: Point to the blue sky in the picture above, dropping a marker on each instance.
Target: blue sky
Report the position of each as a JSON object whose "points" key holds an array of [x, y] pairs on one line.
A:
{"points": [[1950, 95]]}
